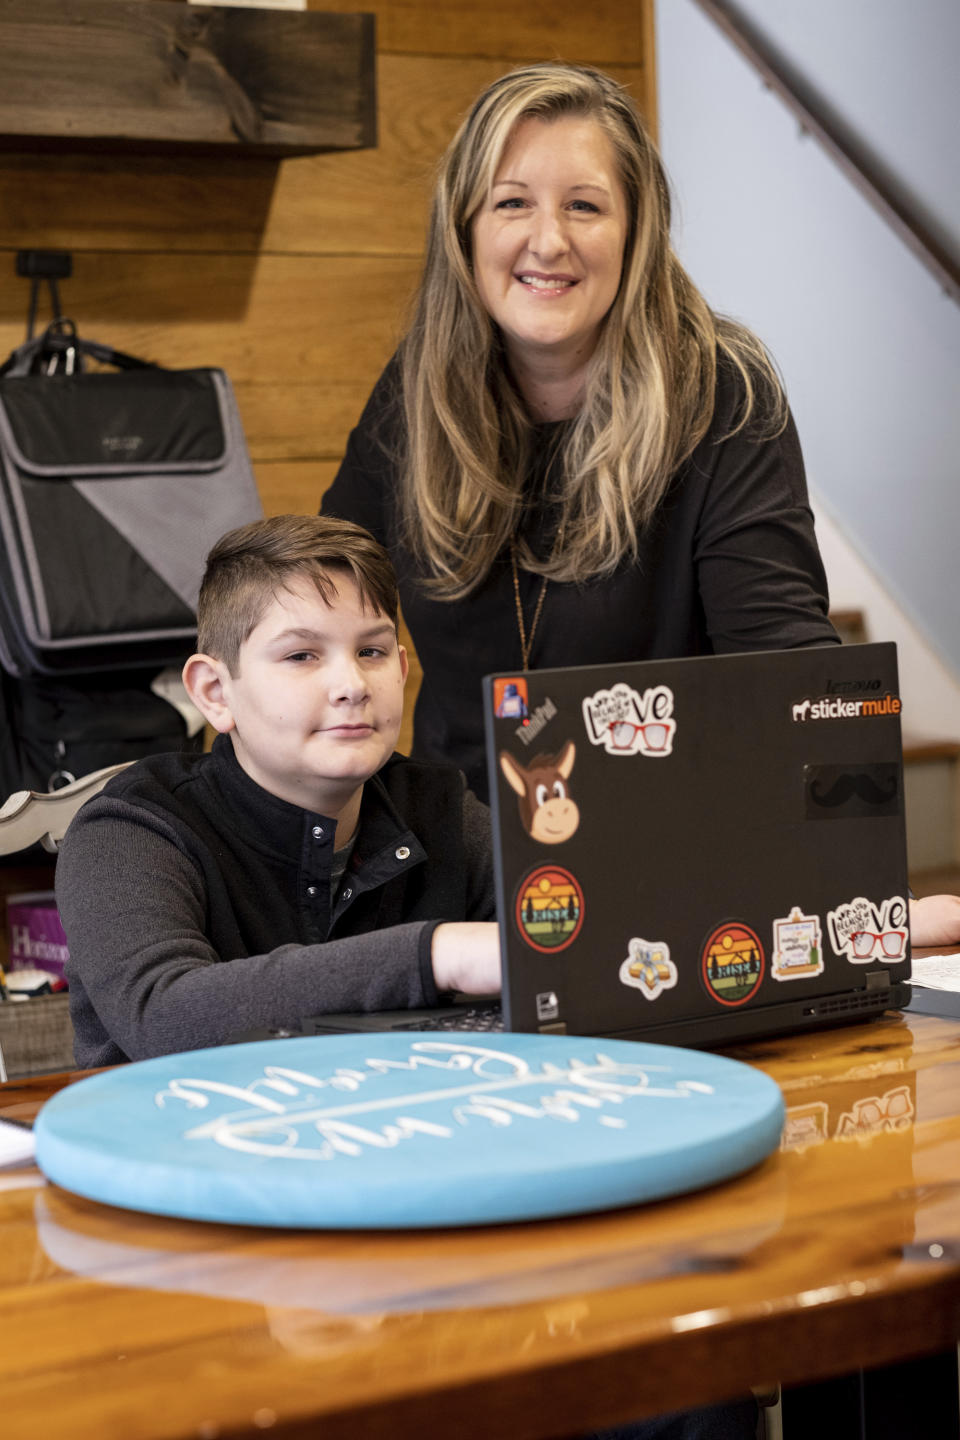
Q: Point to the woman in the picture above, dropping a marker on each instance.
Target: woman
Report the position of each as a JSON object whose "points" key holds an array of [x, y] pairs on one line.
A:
{"points": [[572, 459]]}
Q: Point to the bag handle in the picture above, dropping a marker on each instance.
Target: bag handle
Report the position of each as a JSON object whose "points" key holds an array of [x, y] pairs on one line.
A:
{"points": [[60, 344]]}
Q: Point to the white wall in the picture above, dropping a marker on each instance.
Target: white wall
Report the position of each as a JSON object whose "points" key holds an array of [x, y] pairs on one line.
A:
{"points": [[868, 343]]}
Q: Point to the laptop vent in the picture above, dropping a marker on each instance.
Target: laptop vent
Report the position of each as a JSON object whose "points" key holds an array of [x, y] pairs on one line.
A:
{"points": [[849, 1004]]}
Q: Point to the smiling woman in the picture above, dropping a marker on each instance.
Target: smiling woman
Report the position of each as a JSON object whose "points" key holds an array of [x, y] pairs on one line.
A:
{"points": [[572, 459], [548, 246]]}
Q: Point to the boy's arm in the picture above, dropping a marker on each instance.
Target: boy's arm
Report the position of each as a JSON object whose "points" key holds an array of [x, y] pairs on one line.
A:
{"points": [[478, 847], [142, 969], [466, 957]]}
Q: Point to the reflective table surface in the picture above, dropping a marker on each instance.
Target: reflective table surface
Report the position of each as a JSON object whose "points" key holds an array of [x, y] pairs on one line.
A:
{"points": [[841, 1250]]}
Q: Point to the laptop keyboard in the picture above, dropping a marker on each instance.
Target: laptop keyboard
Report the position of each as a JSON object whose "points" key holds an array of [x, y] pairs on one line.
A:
{"points": [[481, 1017]]}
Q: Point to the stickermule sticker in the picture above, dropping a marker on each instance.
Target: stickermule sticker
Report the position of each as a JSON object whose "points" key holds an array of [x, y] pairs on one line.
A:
{"points": [[863, 931], [732, 963], [835, 707], [797, 947], [548, 812], [626, 723], [549, 908], [648, 967]]}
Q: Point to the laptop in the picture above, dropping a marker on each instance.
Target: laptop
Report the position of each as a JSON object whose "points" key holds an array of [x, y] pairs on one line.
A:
{"points": [[694, 851]]}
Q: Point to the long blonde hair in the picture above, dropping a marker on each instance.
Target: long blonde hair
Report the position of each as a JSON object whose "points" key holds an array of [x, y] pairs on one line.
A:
{"points": [[649, 395]]}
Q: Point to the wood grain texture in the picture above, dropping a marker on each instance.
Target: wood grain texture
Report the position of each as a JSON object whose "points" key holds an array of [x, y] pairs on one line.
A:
{"points": [[292, 275], [302, 338], [173, 74], [369, 202], [840, 1251], [607, 32]]}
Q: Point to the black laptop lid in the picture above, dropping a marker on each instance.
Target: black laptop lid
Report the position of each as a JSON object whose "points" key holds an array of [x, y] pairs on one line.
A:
{"points": [[699, 849]]}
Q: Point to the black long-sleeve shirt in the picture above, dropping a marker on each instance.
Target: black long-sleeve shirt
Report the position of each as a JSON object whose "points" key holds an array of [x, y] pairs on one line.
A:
{"points": [[197, 906], [729, 563]]}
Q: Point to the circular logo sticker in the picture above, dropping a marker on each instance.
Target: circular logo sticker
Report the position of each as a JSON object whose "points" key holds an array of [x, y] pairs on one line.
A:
{"points": [[549, 908], [733, 963]]}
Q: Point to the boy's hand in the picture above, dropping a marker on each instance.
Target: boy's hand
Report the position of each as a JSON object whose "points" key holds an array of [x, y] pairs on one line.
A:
{"points": [[466, 957]]}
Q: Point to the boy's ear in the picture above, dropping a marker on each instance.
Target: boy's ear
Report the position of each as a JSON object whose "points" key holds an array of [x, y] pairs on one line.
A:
{"points": [[204, 681], [404, 664]]}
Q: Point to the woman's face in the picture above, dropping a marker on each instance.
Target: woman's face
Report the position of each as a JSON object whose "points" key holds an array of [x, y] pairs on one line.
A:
{"points": [[548, 243]]}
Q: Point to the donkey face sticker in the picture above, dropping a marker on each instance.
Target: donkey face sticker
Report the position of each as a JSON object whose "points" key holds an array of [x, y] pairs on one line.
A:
{"points": [[548, 812]]}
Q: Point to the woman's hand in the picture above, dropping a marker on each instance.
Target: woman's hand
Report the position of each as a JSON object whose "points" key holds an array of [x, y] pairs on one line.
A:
{"points": [[466, 957], [935, 920]]}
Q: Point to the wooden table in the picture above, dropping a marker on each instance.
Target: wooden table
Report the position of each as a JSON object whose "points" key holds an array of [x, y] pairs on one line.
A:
{"points": [[841, 1251]]}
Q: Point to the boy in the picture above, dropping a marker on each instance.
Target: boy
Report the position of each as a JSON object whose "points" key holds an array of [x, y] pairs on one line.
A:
{"points": [[299, 867]]}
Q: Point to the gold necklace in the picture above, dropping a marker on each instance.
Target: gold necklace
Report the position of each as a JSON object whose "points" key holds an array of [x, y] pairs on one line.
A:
{"points": [[525, 641]]}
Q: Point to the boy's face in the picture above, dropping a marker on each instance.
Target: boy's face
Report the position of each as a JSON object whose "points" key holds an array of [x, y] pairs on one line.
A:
{"points": [[316, 705]]}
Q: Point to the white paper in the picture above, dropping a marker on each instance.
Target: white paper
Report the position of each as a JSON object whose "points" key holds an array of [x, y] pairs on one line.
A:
{"points": [[17, 1145], [937, 972], [257, 4]]}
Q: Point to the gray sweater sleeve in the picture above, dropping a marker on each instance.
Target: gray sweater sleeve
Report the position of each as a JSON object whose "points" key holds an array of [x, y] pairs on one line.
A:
{"points": [[478, 845], [142, 969]]}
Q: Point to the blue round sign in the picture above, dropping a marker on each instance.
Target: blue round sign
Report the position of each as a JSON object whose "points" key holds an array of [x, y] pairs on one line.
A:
{"points": [[411, 1130]]}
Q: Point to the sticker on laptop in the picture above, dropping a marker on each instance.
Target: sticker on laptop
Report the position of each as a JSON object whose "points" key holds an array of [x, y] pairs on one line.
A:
{"points": [[797, 947], [863, 931], [548, 812], [627, 723], [548, 1006], [549, 908], [510, 699], [877, 1115], [836, 707], [648, 967], [733, 963]]}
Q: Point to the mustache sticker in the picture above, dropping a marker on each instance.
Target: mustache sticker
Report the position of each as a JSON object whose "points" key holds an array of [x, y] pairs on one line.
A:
{"points": [[852, 792]]}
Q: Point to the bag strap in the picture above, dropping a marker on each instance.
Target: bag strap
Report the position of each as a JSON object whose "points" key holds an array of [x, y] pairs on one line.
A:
{"points": [[61, 346]]}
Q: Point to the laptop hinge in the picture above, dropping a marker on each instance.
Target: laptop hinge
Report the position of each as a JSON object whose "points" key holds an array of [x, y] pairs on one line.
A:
{"points": [[878, 979], [558, 1029]]}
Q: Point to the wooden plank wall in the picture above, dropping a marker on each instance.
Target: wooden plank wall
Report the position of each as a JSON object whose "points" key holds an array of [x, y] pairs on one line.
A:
{"points": [[292, 275]]}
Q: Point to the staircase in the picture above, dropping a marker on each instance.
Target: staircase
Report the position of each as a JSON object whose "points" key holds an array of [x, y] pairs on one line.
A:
{"points": [[931, 786]]}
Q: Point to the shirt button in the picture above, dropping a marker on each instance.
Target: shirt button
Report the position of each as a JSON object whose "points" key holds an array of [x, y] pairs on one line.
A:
{"points": [[318, 832], [404, 852], [311, 889], [347, 893]]}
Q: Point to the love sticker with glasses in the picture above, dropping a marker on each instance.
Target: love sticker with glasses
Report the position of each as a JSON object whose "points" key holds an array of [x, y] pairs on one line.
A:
{"points": [[627, 723], [863, 930]]}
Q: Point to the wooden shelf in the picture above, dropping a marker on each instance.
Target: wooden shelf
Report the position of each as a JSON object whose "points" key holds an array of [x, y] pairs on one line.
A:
{"points": [[155, 75]]}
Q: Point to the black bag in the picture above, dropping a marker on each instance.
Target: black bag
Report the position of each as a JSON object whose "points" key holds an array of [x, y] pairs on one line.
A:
{"points": [[113, 487], [55, 731]]}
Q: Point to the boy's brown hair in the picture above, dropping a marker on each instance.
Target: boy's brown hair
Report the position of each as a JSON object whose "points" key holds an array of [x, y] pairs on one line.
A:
{"points": [[248, 567]]}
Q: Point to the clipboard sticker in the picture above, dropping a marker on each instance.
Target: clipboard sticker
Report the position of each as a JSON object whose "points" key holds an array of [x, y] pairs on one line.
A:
{"points": [[863, 931], [797, 947], [627, 723]]}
